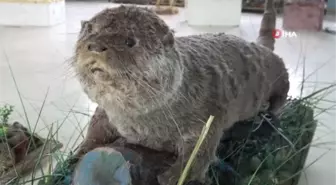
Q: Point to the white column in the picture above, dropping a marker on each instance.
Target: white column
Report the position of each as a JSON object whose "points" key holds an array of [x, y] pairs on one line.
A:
{"points": [[32, 12], [213, 12]]}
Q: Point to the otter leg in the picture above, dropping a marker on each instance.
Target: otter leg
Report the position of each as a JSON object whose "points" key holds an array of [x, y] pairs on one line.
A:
{"points": [[100, 132], [278, 98], [205, 156]]}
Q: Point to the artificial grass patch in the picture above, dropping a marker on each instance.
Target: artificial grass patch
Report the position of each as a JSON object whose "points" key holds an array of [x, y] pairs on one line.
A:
{"points": [[267, 150]]}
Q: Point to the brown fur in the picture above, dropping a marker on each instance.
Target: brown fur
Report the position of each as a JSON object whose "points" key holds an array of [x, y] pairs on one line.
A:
{"points": [[7, 157], [159, 92], [13, 148]]}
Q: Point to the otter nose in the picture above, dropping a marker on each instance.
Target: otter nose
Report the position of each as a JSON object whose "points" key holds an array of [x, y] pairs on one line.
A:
{"points": [[96, 47]]}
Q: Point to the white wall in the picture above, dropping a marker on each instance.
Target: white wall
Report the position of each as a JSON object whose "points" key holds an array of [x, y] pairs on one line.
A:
{"points": [[32, 14], [213, 12]]}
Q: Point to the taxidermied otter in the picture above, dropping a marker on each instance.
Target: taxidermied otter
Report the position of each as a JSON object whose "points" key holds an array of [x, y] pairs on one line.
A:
{"points": [[157, 90]]}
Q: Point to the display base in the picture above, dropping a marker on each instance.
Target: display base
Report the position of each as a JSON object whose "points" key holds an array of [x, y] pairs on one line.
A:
{"points": [[263, 150]]}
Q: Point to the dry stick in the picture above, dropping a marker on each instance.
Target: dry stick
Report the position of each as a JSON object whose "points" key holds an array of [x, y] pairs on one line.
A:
{"points": [[194, 153]]}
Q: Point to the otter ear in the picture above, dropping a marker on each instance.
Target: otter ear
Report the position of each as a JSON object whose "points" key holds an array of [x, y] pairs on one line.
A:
{"points": [[83, 23], [86, 26], [168, 39]]}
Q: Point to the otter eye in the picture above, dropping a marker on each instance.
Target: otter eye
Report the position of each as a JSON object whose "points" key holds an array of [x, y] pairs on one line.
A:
{"points": [[130, 42]]}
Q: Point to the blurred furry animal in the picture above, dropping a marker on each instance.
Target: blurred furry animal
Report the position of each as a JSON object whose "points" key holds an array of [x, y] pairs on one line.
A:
{"points": [[13, 147], [157, 90], [7, 157]]}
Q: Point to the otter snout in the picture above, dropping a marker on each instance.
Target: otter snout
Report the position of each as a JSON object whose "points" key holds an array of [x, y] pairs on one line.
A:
{"points": [[95, 47]]}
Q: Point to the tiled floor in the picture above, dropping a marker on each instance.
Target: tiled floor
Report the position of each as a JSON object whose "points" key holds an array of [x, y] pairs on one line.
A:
{"points": [[39, 59]]}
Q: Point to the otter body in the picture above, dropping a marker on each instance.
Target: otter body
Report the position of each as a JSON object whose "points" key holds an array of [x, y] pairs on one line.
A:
{"points": [[158, 90]]}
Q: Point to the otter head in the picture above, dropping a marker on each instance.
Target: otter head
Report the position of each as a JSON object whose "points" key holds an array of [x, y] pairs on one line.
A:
{"points": [[123, 52]]}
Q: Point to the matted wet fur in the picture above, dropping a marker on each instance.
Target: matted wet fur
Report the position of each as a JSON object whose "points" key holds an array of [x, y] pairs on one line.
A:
{"points": [[157, 90]]}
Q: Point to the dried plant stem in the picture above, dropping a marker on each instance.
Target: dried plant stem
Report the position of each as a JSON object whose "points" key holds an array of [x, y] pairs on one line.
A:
{"points": [[17, 90], [196, 149]]}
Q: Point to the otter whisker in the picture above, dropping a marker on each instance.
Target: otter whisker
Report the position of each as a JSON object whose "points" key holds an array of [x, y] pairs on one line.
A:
{"points": [[119, 73]]}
